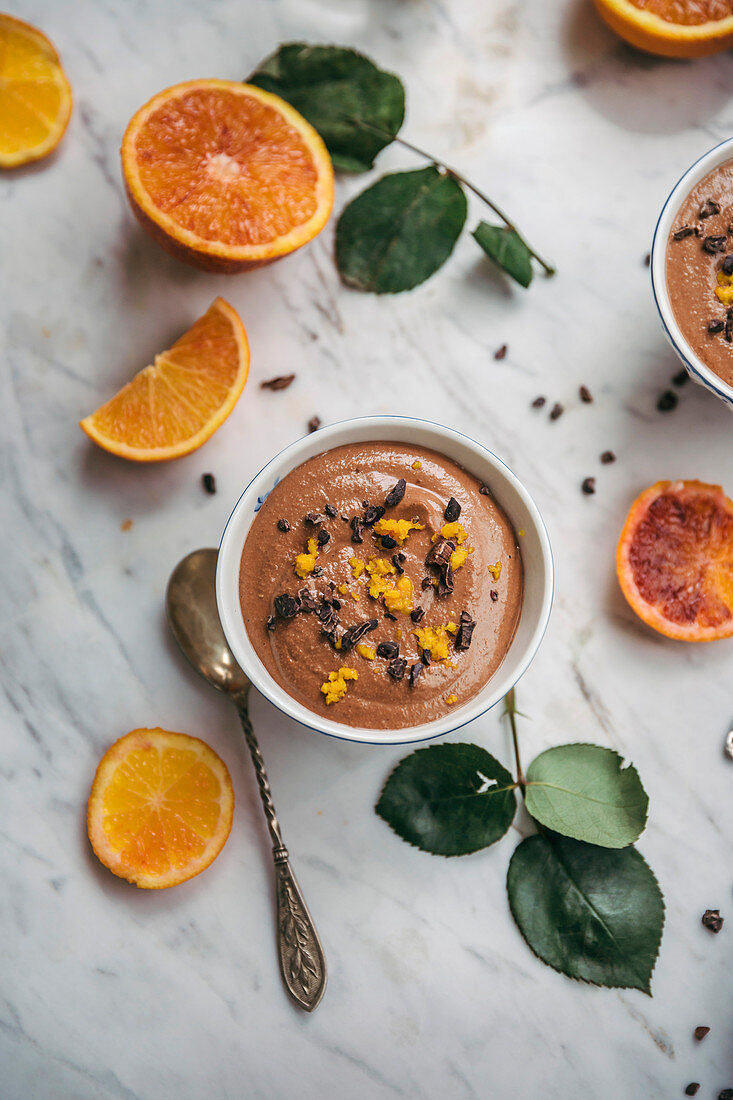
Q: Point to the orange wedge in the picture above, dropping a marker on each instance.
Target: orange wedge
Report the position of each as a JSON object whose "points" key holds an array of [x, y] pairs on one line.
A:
{"points": [[226, 176], [672, 28], [173, 406], [675, 560], [35, 96], [160, 809]]}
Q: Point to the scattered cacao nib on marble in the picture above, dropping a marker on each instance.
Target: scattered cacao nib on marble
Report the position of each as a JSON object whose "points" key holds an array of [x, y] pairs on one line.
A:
{"points": [[354, 634], [209, 483], [283, 525], [357, 529], [607, 458], [709, 209], [388, 543], [729, 326], [281, 382], [389, 650], [373, 513], [271, 623], [556, 411], [286, 606], [484, 491], [313, 519], [465, 631], [494, 595], [680, 234], [314, 424], [715, 326], [712, 919], [396, 493], [589, 486], [539, 402], [452, 511], [725, 1094], [307, 599], [396, 668], [397, 560], [323, 537], [585, 395], [415, 671], [667, 401], [681, 378], [692, 1089], [330, 510], [713, 245], [417, 614], [500, 353], [701, 1032], [647, 259]]}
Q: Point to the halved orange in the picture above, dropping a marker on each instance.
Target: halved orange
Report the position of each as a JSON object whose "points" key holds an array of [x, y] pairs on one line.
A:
{"points": [[35, 96], [675, 560], [225, 175], [173, 406], [160, 809], [672, 28]]}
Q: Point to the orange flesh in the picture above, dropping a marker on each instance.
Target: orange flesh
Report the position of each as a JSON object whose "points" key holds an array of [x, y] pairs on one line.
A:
{"points": [[687, 13], [226, 167]]}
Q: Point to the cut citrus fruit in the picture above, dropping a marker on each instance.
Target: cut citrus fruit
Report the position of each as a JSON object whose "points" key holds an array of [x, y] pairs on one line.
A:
{"points": [[225, 175], [173, 406], [160, 809], [672, 28], [35, 96], [675, 560]]}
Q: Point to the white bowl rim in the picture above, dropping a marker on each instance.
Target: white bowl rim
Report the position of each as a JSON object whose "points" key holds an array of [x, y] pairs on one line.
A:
{"points": [[227, 595], [714, 157]]}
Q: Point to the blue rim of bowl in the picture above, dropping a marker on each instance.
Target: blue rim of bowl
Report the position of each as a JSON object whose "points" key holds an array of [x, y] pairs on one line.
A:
{"points": [[724, 395], [530, 655]]}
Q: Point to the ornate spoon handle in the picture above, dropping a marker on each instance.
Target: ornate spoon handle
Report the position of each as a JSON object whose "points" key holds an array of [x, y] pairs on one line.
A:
{"points": [[302, 962]]}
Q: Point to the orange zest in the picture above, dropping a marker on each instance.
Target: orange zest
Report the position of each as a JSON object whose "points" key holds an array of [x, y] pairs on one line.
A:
{"points": [[694, 28], [675, 560], [225, 175], [173, 406], [160, 809], [35, 96]]}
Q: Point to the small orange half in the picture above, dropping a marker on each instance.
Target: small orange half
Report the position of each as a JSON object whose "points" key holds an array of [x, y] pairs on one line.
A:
{"points": [[173, 406], [160, 809], [670, 28], [35, 96], [675, 560], [225, 175]]}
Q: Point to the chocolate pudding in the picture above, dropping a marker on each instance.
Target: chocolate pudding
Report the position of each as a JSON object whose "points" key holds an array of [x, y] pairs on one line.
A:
{"points": [[381, 584], [699, 269]]}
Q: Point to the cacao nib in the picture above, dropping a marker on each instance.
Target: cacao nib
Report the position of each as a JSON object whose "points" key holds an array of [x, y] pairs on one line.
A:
{"points": [[415, 671], [396, 493], [396, 668], [283, 525], [355, 633], [452, 511], [388, 650], [286, 606], [373, 513], [465, 631], [357, 528]]}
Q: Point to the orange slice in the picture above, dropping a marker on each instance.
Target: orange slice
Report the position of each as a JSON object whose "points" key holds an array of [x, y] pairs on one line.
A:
{"points": [[226, 176], [160, 809], [173, 406], [675, 560], [672, 28], [35, 96]]}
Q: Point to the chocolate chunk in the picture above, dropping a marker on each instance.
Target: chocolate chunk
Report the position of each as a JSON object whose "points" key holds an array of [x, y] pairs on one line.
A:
{"points": [[417, 614], [209, 483], [388, 650], [585, 395], [426, 582], [607, 457], [716, 326], [500, 353], [313, 519], [440, 553], [283, 525], [709, 209], [307, 600], [539, 402], [692, 1089], [280, 383], [314, 424], [336, 604], [373, 513], [667, 401], [415, 671], [681, 378], [355, 633], [700, 1033], [397, 560], [589, 486], [445, 581], [485, 491], [330, 510], [714, 245], [271, 623], [452, 511], [286, 606], [685, 231], [388, 543], [712, 919], [396, 493], [729, 326], [494, 595], [323, 537], [396, 668], [425, 657], [727, 267], [465, 631], [357, 528], [556, 411]]}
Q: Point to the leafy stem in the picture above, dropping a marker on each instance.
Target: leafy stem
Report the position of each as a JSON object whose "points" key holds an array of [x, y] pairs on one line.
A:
{"points": [[510, 709]]}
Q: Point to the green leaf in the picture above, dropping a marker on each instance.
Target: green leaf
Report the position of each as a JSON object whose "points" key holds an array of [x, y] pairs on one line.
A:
{"points": [[399, 231], [507, 249], [449, 799], [582, 791], [342, 94], [595, 914]]}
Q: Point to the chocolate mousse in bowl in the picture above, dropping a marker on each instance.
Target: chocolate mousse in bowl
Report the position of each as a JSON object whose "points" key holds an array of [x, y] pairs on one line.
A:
{"points": [[692, 270], [378, 590]]}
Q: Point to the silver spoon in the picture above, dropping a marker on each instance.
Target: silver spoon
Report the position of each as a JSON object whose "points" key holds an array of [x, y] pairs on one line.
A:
{"points": [[190, 603]]}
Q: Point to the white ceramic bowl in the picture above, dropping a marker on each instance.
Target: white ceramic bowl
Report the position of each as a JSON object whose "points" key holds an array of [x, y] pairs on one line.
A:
{"points": [[509, 493], [695, 366]]}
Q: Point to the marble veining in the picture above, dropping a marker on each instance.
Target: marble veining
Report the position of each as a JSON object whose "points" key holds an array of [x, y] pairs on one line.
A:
{"points": [[108, 992]]}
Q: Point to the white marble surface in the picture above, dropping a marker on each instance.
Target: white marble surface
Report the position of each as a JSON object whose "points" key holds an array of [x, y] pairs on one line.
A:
{"points": [[109, 992]]}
